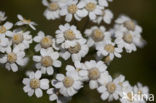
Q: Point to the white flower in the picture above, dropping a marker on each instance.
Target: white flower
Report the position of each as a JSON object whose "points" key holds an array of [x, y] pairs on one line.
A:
{"points": [[128, 39], [91, 8], [108, 48], [73, 9], [128, 95], [82, 71], [13, 58], [95, 70], [96, 35], [21, 39], [110, 89], [53, 9], [126, 25], [34, 84], [106, 17], [67, 35], [76, 52], [141, 91], [5, 28], [47, 60], [70, 84], [120, 80], [55, 95], [24, 21], [2, 16], [44, 41], [4, 43]]}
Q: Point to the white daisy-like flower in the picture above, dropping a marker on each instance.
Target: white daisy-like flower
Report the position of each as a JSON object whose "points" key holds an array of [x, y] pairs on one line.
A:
{"points": [[128, 39], [70, 84], [21, 39], [82, 71], [2, 16], [108, 48], [96, 35], [34, 84], [54, 95], [110, 89], [4, 43], [95, 70], [76, 52], [24, 21], [44, 41], [5, 28], [73, 9], [92, 8], [120, 80], [67, 35], [127, 25], [13, 58], [47, 61], [128, 95], [141, 91], [53, 9], [106, 17]]}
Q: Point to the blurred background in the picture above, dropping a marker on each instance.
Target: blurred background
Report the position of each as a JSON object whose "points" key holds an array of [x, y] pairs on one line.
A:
{"points": [[139, 66]]}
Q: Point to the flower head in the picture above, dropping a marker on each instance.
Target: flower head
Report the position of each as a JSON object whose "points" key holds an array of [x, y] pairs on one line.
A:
{"points": [[34, 84], [24, 21]]}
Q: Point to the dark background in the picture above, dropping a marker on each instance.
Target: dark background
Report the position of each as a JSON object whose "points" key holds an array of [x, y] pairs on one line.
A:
{"points": [[139, 66]]}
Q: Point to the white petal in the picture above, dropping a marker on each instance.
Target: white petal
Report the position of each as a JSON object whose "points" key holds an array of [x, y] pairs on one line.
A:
{"points": [[31, 92], [14, 67], [37, 58], [44, 84], [8, 25], [53, 97], [93, 84], [104, 96], [26, 81], [60, 77], [38, 75], [57, 63], [38, 93], [50, 70]]}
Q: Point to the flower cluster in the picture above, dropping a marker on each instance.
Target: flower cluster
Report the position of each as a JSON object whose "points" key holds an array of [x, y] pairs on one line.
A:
{"points": [[71, 45]]}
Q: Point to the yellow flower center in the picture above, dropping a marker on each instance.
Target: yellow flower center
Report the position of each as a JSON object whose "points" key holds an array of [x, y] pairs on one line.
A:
{"points": [[130, 96], [2, 29], [27, 21], [12, 57], [94, 74], [72, 9], [46, 61], [35, 83], [17, 38], [68, 82], [128, 38], [97, 35], [53, 6], [130, 25], [46, 42], [139, 92], [91, 6], [75, 49], [69, 35], [109, 48], [111, 87]]}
